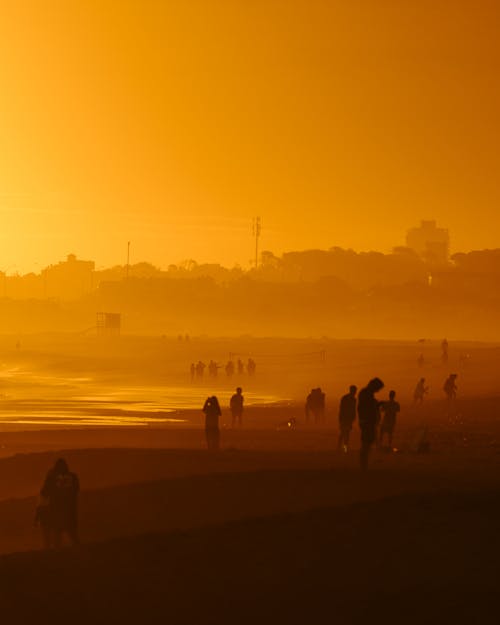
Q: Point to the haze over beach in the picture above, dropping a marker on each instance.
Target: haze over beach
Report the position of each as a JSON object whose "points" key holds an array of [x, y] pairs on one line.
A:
{"points": [[249, 304]]}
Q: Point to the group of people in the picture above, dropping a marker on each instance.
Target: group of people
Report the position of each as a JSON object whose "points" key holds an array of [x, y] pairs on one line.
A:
{"points": [[197, 370], [444, 354], [450, 389], [376, 418], [213, 412], [231, 368], [57, 510]]}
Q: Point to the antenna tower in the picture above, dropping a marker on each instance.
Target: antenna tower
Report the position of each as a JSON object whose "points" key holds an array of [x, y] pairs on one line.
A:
{"points": [[257, 228]]}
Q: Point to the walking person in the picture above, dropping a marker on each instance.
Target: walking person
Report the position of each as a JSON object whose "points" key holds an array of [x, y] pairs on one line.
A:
{"points": [[390, 409], [420, 391]]}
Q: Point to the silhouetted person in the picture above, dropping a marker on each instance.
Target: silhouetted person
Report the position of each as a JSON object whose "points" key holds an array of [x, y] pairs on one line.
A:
{"points": [[420, 391], [58, 513], [230, 368], [347, 416], [444, 351], [212, 369], [212, 412], [368, 413], [192, 370], [236, 405], [421, 361], [200, 368], [390, 409], [251, 366], [450, 387], [241, 367], [315, 405]]}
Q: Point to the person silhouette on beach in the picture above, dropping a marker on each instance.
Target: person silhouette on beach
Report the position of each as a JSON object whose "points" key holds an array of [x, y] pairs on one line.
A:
{"points": [[347, 416], [315, 405], [450, 387], [212, 412], [420, 391], [444, 351], [369, 416], [241, 366], [57, 513], [390, 409], [212, 369], [251, 366], [200, 369], [229, 368], [236, 405], [310, 405], [192, 371]]}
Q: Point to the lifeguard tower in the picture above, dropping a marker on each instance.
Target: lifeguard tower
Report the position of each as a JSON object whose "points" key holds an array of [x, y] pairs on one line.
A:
{"points": [[108, 324]]}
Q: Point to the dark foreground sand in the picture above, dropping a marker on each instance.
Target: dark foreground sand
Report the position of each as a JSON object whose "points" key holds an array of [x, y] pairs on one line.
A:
{"points": [[276, 528], [408, 559]]}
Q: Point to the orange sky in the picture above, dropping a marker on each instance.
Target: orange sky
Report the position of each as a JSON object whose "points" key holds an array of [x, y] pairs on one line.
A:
{"points": [[171, 123]]}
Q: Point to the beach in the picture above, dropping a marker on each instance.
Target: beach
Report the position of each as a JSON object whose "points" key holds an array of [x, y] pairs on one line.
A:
{"points": [[279, 517]]}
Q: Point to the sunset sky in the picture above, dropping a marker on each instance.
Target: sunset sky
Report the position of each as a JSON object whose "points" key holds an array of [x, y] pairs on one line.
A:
{"points": [[172, 123]]}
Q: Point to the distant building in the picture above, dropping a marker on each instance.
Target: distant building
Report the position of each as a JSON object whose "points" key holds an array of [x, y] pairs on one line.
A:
{"points": [[69, 279], [429, 242]]}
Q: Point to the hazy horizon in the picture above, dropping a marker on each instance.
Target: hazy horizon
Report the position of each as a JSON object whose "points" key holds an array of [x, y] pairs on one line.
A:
{"points": [[15, 266]]}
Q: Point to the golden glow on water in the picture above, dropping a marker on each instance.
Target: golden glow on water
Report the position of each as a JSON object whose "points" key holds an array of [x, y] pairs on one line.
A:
{"points": [[100, 421], [30, 399]]}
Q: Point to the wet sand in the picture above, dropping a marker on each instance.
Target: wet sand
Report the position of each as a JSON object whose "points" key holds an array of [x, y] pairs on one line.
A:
{"points": [[278, 527]]}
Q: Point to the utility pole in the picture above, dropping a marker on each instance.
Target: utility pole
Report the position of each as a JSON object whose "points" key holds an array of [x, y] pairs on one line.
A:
{"points": [[257, 228], [128, 258]]}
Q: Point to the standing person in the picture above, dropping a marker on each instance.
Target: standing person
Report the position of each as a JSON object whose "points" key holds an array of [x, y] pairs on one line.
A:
{"points": [[192, 370], [251, 366], [200, 368], [230, 368], [368, 413], [236, 405], [347, 416], [419, 392], [59, 512], [212, 412], [315, 405], [444, 352], [241, 367], [390, 409], [212, 369]]}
